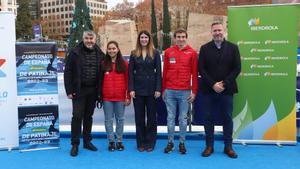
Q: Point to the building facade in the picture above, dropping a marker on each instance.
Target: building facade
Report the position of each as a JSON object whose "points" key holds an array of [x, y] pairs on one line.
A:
{"points": [[57, 15], [8, 5]]}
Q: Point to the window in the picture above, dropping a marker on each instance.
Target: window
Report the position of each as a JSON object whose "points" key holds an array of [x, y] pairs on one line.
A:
{"points": [[62, 9], [57, 2], [66, 15], [57, 9], [67, 29], [53, 10], [62, 16]]}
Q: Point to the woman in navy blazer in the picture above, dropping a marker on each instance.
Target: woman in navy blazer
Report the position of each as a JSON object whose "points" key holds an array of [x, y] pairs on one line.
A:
{"points": [[145, 87]]}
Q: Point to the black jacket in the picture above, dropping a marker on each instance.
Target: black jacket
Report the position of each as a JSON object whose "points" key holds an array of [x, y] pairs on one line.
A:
{"points": [[219, 64], [73, 70], [145, 75]]}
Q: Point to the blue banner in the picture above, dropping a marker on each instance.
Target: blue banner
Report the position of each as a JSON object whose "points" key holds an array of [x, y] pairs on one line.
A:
{"points": [[37, 96]]}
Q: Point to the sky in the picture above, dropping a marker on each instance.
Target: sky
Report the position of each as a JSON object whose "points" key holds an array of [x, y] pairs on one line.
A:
{"points": [[112, 3]]}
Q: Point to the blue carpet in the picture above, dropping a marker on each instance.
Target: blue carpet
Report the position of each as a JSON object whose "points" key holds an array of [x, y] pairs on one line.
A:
{"points": [[250, 157]]}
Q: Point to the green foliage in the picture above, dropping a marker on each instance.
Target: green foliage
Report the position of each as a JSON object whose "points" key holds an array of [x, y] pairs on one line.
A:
{"points": [[23, 22], [81, 22], [166, 26], [153, 25]]}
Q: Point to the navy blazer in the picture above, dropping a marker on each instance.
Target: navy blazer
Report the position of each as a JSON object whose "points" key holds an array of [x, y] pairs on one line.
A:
{"points": [[219, 65], [145, 75]]}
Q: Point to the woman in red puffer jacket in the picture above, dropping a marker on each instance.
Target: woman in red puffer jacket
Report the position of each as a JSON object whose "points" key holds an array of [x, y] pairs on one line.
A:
{"points": [[114, 93]]}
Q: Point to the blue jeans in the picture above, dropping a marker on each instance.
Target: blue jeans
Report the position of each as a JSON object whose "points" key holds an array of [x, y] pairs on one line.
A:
{"points": [[111, 110], [225, 102], [174, 99]]}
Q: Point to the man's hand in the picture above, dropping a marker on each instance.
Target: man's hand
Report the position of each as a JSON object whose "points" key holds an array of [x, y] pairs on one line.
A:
{"points": [[219, 87], [191, 98]]}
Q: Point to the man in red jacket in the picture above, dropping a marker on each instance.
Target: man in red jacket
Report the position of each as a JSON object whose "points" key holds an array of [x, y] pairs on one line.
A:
{"points": [[180, 84]]}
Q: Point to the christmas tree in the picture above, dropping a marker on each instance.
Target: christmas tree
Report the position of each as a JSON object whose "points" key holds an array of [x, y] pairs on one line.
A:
{"points": [[81, 22]]}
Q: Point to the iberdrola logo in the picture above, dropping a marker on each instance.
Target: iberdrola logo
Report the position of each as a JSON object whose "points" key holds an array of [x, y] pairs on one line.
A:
{"points": [[256, 25], [254, 22]]}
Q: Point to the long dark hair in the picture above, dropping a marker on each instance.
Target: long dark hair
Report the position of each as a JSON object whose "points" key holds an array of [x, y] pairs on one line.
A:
{"points": [[149, 48], [120, 63]]}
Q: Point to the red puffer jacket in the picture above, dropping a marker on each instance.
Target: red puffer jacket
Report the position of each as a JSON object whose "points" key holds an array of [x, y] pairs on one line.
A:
{"points": [[115, 85], [180, 66]]}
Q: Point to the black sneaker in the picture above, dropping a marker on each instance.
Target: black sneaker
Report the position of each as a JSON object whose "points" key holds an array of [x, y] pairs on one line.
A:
{"points": [[169, 148], [182, 148], [111, 146], [120, 146]]}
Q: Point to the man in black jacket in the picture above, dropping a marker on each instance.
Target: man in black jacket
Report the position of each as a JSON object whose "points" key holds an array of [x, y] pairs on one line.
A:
{"points": [[82, 84], [219, 66]]}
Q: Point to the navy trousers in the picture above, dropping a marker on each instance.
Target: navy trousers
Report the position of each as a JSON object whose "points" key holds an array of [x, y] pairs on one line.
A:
{"points": [[225, 104]]}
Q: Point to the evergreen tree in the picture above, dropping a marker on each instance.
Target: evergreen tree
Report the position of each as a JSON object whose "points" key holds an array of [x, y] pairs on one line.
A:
{"points": [[81, 22], [153, 25], [166, 26], [23, 22]]}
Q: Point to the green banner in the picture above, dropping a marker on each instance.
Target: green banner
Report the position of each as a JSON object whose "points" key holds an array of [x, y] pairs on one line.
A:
{"points": [[267, 37]]}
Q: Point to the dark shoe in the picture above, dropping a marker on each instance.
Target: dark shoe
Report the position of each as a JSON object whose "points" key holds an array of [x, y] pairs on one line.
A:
{"points": [[208, 151], [169, 148], [111, 146], [74, 151], [182, 148], [90, 146], [141, 149], [120, 146], [230, 152], [149, 149]]}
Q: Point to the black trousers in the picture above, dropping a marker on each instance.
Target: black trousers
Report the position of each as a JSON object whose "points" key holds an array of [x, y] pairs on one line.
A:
{"points": [[83, 110], [145, 121]]}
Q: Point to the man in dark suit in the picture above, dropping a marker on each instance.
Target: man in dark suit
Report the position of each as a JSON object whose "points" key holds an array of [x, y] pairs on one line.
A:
{"points": [[219, 66], [82, 84]]}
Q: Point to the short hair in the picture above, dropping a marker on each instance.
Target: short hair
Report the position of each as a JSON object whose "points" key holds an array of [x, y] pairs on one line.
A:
{"points": [[89, 33], [216, 23], [180, 30]]}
